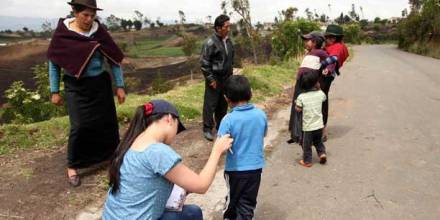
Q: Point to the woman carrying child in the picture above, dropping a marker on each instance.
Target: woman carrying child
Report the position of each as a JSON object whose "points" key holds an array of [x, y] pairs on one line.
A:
{"points": [[312, 61]]}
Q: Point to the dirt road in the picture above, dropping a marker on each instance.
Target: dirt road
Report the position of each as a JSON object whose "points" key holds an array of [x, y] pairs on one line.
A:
{"points": [[383, 149]]}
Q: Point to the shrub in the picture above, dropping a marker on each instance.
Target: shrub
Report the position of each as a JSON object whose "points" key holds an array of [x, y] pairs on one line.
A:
{"points": [[352, 33], [132, 84], [160, 85], [26, 106], [286, 40]]}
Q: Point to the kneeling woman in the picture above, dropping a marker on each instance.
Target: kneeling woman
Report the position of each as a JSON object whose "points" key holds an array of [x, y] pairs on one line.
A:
{"points": [[145, 167]]}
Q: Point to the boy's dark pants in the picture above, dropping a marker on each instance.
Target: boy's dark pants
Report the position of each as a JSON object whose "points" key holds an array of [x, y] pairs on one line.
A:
{"points": [[214, 104], [242, 196], [312, 138]]}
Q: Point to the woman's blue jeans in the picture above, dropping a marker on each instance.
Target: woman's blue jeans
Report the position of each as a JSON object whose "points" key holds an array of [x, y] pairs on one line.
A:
{"points": [[189, 212]]}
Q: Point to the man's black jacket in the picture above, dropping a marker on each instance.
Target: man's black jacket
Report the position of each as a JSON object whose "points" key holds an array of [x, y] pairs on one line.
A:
{"points": [[216, 63]]}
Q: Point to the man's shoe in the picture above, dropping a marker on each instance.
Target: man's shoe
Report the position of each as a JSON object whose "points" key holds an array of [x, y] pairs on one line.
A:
{"points": [[208, 136], [74, 180]]}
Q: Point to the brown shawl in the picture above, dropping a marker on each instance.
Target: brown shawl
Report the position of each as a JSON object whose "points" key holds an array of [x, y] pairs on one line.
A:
{"points": [[72, 51]]}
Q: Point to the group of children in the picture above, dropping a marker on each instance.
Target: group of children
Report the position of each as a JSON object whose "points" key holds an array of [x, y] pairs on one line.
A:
{"points": [[247, 124]]}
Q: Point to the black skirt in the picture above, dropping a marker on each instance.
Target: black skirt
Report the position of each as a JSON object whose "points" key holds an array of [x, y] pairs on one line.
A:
{"points": [[295, 122], [94, 133]]}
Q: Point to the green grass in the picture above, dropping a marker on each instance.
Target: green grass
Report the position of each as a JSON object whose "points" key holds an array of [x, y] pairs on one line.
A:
{"points": [[164, 51], [266, 81], [155, 47]]}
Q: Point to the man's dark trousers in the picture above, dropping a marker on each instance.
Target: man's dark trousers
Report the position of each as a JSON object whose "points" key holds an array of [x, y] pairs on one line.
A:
{"points": [[214, 106], [243, 189]]}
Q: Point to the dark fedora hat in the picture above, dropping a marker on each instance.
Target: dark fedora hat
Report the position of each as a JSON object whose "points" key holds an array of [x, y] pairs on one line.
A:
{"points": [[87, 3], [334, 30]]}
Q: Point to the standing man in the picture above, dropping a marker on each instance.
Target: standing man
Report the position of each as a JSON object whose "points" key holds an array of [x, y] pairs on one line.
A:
{"points": [[216, 63]]}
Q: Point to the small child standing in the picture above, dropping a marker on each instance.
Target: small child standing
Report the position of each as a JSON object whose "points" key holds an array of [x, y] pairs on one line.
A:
{"points": [[244, 163], [310, 104]]}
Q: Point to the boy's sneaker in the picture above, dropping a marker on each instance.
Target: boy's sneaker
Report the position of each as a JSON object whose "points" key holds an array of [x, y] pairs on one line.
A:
{"points": [[323, 159], [304, 164]]}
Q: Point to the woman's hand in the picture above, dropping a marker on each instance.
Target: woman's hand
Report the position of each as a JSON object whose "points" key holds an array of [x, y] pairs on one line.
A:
{"points": [[56, 99], [120, 93], [199, 183], [222, 144]]}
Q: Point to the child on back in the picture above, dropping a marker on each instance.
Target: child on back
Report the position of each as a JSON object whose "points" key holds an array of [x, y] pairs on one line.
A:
{"points": [[336, 49], [313, 60], [248, 126], [310, 104]]}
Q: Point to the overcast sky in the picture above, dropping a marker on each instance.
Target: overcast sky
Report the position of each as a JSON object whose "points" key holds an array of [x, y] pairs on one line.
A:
{"points": [[196, 10]]}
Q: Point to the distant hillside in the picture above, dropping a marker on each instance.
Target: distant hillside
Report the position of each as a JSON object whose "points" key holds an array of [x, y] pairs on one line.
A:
{"points": [[17, 23]]}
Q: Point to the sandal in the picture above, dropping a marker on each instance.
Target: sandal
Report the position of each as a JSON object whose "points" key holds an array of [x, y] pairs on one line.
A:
{"points": [[323, 159], [304, 164], [74, 180]]}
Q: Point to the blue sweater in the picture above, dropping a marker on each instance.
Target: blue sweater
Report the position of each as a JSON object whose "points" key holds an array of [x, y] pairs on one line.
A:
{"points": [[94, 68], [247, 125]]}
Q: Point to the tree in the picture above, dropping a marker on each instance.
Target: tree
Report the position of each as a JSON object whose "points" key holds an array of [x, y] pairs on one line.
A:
{"points": [[113, 22], [223, 7], [47, 28], [340, 19], [138, 20], [159, 23], [242, 8], [137, 25], [309, 14], [182, 17], [147, 21], [416, 5], [290, 13], [259, 26], [323, 18], [353, 14], [404, 12], [189, 47], [377, 20], [138, 15], [25, 29], [129, 24], [209, 17], [124, 24]]}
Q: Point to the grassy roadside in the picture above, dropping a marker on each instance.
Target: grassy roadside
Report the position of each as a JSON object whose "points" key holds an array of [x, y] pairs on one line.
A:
{"points": [[266, 81]]}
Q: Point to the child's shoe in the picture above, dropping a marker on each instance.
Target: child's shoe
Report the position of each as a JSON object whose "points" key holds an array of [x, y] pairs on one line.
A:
{"points": [[323, 159], [304, 164]]}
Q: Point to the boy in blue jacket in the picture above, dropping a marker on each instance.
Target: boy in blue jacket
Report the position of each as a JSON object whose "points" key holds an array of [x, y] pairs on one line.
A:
{"points": [[247, 125]]}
